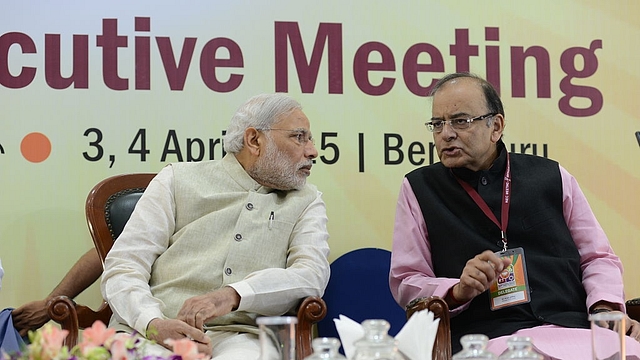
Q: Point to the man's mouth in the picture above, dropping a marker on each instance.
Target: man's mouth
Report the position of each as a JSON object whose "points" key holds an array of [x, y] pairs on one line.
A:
{"points": [[306, 169], [450, 150]]}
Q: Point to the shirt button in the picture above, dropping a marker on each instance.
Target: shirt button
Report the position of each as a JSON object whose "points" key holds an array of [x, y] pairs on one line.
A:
{"points": [[483, 181], [249, 206], [238, 237], [227, 271]]}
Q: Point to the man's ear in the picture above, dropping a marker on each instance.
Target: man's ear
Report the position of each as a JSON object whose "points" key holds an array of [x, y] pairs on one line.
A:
{"points": [[253, 140], [497, 127]]}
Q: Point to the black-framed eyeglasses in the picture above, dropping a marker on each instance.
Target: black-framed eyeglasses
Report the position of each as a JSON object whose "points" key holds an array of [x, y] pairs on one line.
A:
{"points": [[457, 124], [300, 136]]}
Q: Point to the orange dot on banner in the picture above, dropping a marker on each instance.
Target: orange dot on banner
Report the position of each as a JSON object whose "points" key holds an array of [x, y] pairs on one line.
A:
{"points": [[35, 147]]}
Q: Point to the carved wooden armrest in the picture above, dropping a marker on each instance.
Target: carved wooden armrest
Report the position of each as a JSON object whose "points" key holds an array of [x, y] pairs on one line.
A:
{"points": [[73, 317], [440, 310], [312, 309], [62, 310]]}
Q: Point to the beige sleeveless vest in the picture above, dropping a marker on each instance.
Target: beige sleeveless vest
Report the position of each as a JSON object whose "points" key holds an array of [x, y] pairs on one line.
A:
{"points": [[223, 233]]}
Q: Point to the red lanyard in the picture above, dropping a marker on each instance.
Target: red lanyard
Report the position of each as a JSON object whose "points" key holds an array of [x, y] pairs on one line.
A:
{"points": [[506, 195]]}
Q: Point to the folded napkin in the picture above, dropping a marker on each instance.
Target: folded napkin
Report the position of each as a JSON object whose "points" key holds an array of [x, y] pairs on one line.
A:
{"points": [[415, 339], [349, 332], [417, 336]]}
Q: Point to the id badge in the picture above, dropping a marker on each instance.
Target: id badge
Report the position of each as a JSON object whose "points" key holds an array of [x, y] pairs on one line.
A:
{"points": [[511, 287]]}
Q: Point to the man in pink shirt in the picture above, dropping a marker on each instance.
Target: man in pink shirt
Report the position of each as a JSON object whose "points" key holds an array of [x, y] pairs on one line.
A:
{"points": [[508, 240]]}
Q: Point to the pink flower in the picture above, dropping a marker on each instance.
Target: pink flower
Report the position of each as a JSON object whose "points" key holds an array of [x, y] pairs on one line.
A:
{"points": [[49, 343], [99, 343], [119, 349], [95, 336], [53, 337], [185, 348]]}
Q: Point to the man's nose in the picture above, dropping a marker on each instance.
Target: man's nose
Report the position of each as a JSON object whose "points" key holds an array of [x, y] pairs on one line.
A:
{"points": [[310, 150], [448, 132]]}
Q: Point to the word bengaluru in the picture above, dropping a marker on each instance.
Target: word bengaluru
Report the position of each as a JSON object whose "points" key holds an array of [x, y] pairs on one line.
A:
{"points": [[220, 53]]}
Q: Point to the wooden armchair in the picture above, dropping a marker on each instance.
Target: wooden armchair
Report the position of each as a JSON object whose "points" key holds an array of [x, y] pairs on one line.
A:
{"points": [[108, 208]]}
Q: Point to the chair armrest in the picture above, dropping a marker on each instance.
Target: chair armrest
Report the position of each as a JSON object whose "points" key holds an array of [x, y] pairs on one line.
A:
{"points": [[73, 317], [440, 310], [87, 316], [633, 308], [311, 310], [62, 310]]}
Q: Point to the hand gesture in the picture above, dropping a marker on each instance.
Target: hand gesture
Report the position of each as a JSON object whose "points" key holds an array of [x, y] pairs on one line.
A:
{"points": [[478, 274], [633, 328], [160, 330], [30, 316], [196, 311]]}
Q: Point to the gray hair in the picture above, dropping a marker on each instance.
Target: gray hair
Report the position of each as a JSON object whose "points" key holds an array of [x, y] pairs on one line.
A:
{"points": [[494, 104], [260, 112]]}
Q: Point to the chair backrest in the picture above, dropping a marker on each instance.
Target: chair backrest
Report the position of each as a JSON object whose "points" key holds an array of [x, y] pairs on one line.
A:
{"points": [[359, 289], [109, 206]]}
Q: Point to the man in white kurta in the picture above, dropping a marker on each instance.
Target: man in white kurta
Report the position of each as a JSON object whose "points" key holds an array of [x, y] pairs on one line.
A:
{"points": [[215, 244]]}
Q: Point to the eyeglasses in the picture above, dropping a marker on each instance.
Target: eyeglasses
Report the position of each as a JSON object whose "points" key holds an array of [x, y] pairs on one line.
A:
{"points": [[300, 136], [457, 124]]}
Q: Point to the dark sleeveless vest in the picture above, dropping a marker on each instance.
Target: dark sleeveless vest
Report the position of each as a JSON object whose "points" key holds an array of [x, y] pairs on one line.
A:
{"points": [[458, 230]]}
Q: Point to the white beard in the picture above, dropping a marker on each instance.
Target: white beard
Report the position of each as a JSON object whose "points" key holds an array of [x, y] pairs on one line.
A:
{"points": [[275, 170]]}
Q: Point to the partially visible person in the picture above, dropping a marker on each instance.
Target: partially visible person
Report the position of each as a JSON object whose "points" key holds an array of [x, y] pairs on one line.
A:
{"points": [[10, 340], [456, 219], [1, 273], [212, 245], [82, 274]]}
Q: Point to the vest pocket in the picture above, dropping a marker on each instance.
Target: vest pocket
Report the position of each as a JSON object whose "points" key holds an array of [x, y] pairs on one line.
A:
{"points": [[537, 218]]}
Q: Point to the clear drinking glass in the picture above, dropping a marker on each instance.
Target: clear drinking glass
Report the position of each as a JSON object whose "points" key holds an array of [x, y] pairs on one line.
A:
{"points": [[277, 337], [474, 347], [325, 348], [608, 335]]}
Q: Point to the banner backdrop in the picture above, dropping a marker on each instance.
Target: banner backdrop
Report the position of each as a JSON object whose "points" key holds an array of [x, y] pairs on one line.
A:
{"points": [[93, 89]]}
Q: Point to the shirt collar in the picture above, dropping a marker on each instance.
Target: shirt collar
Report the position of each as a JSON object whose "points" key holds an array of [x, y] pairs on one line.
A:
{"points": [[240, 175]]}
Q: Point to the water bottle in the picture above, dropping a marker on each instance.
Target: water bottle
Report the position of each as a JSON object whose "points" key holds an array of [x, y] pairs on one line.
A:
{"points": [[325, 348], [474, 347], [520, 347], [376, 343]]}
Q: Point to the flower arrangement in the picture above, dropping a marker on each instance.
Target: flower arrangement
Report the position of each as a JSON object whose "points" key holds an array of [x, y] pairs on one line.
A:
{"points": [[98, 343]]}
